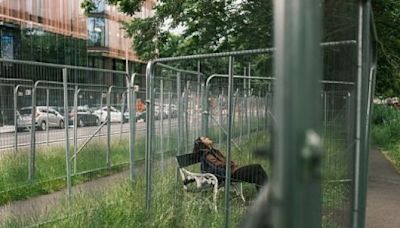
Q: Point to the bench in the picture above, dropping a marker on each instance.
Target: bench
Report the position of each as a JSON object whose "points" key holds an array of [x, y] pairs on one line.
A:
{"points": [[203, 179]]}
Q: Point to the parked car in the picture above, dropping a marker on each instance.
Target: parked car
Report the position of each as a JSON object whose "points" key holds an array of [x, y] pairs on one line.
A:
{"points": [[157, 112], [44, 117], [393, 101], [85, 117], [116, 115], [23, 123], [174, 110]]}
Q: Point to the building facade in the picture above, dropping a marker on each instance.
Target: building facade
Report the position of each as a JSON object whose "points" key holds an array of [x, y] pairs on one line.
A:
{"points": [[58, 31]]}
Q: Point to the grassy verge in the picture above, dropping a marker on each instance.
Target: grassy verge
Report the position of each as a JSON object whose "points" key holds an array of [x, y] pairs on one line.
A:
{"points": [[386, 132], [91, 163], [50, 168], [337, 176], [123, 206]]}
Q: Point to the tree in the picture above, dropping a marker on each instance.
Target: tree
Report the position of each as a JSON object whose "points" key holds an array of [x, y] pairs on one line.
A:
{"points": [[207, 26], [221, 25], [387, 19]]}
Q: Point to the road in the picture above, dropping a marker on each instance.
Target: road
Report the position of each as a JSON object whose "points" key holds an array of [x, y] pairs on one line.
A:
{"points": [[56, 136]]}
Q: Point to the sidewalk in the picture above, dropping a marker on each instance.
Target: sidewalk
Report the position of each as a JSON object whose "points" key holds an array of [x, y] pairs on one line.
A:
{"points": [[7, 129], [383, 199]]}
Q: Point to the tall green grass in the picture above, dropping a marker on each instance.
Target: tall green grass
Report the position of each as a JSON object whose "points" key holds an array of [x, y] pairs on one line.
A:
{"points": [[337, 172], [386, 131], [123, 205], [50, 172]]}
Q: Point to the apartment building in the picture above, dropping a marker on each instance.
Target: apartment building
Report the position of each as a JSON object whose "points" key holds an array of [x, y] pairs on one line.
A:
{"points": [[58, 31]]}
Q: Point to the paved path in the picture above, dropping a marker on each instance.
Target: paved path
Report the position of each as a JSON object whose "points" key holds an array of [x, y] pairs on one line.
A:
{"points": [[383, 202]]}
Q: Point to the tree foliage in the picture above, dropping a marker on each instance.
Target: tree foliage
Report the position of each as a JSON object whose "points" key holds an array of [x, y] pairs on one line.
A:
{"points": [[220, 25], [206, 26], [387, 19]]}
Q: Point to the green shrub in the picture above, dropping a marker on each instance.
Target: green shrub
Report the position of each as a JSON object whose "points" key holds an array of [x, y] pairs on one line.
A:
{"points": [[386, 131]]}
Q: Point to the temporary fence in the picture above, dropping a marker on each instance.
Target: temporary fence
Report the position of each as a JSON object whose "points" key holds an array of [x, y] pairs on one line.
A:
{"points": [[296, 113], [312, 183], [61, 125]]}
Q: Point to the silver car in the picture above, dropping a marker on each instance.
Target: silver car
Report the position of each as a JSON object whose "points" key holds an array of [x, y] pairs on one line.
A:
{"points": [[45, 117], [116, 115]]}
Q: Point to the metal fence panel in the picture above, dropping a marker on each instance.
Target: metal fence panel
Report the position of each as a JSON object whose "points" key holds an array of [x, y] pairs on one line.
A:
{"points": [[64, 125]]}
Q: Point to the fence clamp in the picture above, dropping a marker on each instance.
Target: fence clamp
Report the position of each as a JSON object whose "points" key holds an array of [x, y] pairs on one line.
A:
{"points": [[312, 154]]}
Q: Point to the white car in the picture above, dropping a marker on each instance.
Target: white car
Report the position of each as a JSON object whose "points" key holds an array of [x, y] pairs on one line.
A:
{"points": [[44, 117], [174, 111], [116, 115]]}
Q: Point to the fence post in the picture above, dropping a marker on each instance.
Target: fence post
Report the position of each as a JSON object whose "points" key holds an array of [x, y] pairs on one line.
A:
{"points": [[67, 155], [246, 113], [204, 110], [169, 119], [296, 176], [101, 113], [241, 108], [198, 121], [249, 108], [324, 94], [364, 90], [186, 104], [244, 79], [178, 93], [234, 112], [228, 149], [16, 118], [76, 92], [162, 124], [131, 103], [245, 92], [258, 110], [47, 115], [124, 95], [150, 130], [267, 109], [32, 156], [220, 118], [249, 69], [349, 120], [108, 158]]}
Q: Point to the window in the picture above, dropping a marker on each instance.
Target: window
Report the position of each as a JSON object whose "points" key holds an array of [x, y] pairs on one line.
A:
{"points": [[97, 32], [7, 46], [25, 111], [100, 6], [40, 8]]}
